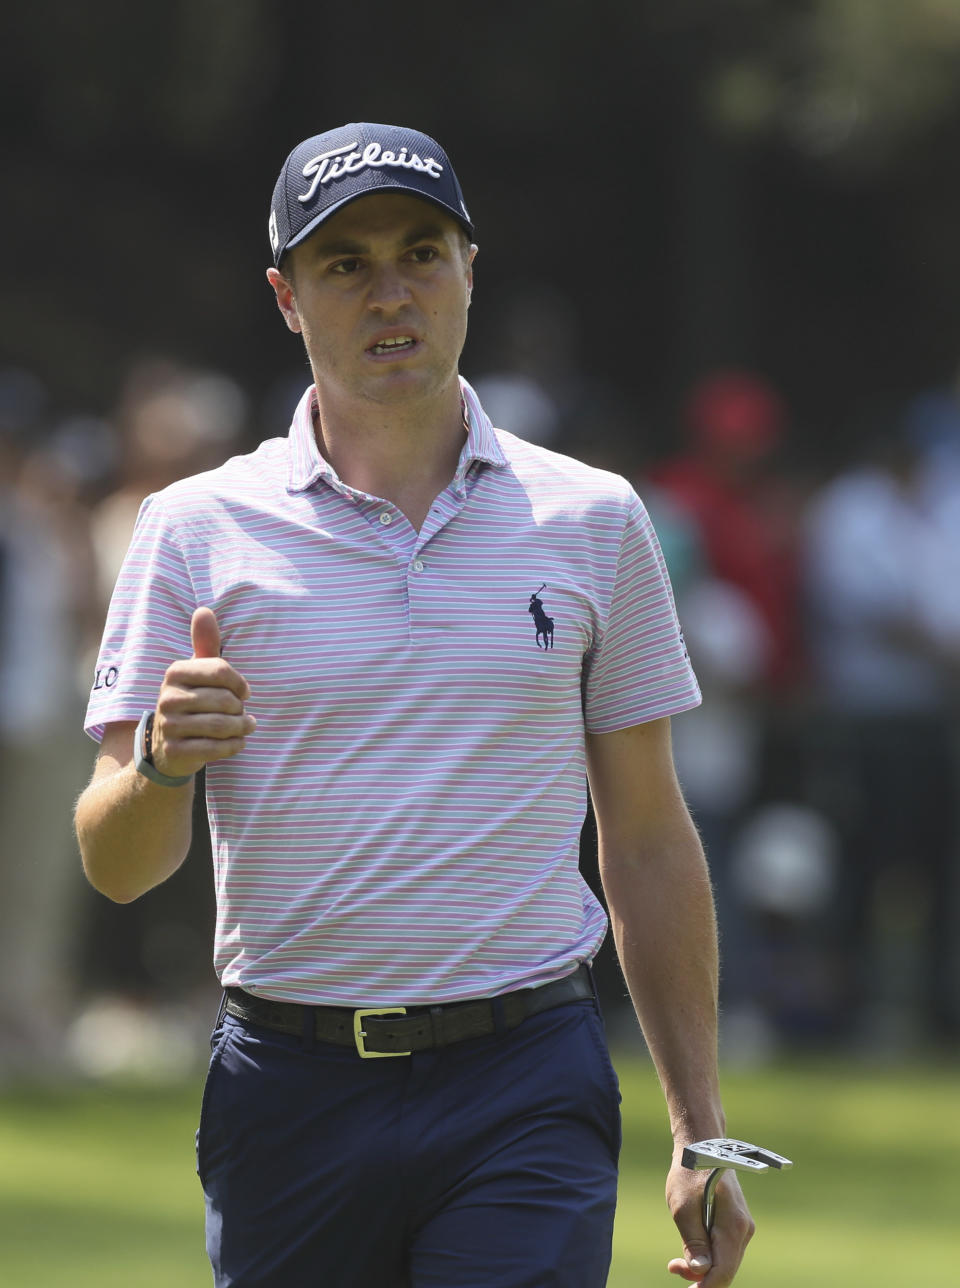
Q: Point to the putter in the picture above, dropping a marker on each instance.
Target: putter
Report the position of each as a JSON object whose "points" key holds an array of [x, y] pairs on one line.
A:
{"points": [[725, 1153]]}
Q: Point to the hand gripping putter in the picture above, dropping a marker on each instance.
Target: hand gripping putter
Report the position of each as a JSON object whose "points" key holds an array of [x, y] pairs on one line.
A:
{"points": [[725, 1153]]}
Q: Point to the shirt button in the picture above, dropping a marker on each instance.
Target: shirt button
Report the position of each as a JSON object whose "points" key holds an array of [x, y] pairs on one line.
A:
{"points": [[417, 565], [386, 518]]}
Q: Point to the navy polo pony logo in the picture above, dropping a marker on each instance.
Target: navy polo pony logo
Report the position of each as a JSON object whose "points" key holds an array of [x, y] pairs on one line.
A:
{"points": [[543, 623]]}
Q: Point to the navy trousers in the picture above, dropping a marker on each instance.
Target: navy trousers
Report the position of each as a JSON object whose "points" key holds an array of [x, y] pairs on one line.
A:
{"points": [[491, 1163]]}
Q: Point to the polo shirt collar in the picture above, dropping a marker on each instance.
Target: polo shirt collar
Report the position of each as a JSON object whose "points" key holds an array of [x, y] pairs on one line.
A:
{"points": [[482, 443], [307, 464]]}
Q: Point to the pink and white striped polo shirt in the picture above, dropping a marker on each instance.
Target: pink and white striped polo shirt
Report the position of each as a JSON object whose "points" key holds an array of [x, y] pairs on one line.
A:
{"points": [[403, 825]]}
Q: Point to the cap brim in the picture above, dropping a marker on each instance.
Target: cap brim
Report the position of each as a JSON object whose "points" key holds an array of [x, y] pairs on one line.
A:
{"points": [[324, 215]]}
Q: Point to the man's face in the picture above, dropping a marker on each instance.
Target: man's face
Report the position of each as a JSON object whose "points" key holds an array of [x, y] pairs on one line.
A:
{"points": [[380, 293]]}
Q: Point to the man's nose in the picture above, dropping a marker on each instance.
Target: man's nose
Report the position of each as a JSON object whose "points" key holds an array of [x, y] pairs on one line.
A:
{"points": [[388, 288]]}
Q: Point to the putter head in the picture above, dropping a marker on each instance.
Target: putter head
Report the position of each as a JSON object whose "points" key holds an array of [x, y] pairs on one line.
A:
{"points": [[737, 1154]]}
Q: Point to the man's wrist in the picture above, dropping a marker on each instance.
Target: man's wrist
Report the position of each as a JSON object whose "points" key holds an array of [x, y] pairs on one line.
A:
{"points": [[143, 755]]}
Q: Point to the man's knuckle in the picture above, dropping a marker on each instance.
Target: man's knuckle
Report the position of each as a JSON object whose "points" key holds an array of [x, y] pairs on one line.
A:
{"points": [[743, 1221]]}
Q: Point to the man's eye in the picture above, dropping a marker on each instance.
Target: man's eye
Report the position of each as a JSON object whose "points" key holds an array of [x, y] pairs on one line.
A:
{"points": [[424, 254], [345, 266]]}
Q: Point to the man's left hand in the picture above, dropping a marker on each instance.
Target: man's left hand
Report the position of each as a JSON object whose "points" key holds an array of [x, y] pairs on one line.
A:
{"points": [[711, 1259]]}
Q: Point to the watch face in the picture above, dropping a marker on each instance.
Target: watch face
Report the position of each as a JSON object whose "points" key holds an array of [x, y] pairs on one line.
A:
{"points": [[143, 740]]}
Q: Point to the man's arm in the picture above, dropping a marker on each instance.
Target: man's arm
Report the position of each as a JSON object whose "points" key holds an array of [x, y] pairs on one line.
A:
{"points": [[134, 833], [661, 909]]}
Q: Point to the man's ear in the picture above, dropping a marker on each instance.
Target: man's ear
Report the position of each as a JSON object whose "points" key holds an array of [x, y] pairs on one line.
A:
{"points": [[286, 300], [473, 253]]}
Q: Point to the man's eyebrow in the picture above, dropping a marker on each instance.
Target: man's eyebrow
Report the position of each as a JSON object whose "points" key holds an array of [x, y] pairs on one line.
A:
{"points": [[345, 246]]}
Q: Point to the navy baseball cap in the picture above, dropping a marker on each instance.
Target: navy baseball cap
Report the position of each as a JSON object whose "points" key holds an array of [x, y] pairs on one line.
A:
{"points": [[328, 170]]}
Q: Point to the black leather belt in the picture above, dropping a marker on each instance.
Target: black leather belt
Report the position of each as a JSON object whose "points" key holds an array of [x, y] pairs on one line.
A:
{"points": [[401, 1030]]}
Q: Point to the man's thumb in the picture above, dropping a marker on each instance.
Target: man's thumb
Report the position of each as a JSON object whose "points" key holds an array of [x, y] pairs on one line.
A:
{"points": [[204, 633], [696, 1246]]}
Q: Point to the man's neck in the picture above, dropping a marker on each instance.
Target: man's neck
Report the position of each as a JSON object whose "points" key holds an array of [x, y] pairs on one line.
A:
{"points": [[406, 454]]}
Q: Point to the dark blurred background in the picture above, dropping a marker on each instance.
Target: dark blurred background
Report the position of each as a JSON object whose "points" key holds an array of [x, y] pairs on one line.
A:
{"points": [[718, 254]]}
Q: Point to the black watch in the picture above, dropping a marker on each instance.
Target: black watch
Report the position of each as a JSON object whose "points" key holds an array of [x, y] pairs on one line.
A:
{"points": [[143, 755]]}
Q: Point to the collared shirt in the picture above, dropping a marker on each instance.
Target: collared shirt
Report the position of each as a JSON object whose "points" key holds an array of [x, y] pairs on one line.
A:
{"points": [[403, 825]]}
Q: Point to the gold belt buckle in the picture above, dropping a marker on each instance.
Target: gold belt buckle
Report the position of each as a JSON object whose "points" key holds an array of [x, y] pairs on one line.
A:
{"points": [[359, 1034]]}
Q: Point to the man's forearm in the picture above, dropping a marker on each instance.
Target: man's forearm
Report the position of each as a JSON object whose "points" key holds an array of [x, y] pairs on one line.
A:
{"points": [[133, 833], [661, 911], [661, 907]]}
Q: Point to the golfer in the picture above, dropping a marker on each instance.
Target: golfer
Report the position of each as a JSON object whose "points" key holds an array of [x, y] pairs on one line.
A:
{"points": [[409, 1084]]}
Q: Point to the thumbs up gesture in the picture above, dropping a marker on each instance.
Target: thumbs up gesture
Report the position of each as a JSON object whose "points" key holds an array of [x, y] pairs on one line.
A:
{"points": [[200, 713]]}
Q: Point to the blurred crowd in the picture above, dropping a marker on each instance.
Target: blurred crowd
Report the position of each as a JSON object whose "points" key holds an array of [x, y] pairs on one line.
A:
{"points": [[821, 607]]}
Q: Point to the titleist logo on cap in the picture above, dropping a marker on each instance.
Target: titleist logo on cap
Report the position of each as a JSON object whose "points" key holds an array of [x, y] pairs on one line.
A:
{"points": [[347, 160]]}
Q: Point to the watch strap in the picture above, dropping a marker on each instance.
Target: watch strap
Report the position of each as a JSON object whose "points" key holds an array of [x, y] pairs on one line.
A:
{"points": [[143, 757]]}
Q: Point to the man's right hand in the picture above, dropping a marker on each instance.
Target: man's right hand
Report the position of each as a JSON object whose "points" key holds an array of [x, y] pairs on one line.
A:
{"points": [[199, 715]]}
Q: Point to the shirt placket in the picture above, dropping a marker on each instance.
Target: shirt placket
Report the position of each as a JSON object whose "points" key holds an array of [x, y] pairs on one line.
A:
{"points": [[411, 548]]}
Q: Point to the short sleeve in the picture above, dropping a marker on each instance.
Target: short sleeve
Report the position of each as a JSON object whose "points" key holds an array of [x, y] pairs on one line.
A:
{"points": [[638, 669], [148, 623]]}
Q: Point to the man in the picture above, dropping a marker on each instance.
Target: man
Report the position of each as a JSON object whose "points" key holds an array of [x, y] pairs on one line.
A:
{"points": [[409, 1082]]}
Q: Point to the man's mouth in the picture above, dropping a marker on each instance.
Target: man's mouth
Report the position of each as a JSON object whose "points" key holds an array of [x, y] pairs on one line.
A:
{"points": [[395, 344]]}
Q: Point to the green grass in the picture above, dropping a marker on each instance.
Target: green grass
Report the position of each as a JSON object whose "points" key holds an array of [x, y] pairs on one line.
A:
{"points": [[97, 1188], [870, 1199]]}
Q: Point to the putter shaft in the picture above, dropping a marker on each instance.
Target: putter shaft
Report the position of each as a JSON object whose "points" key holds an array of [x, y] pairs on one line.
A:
{"points": [[709, 1197]]}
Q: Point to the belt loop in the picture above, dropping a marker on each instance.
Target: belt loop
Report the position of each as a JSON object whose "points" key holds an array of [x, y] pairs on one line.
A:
{"points": [[588, 967], [499, 1021], [436, 1026], [308, 1034]]}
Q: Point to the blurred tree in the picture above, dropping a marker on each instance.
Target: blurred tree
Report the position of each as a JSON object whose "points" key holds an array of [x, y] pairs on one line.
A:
{"points": [[854, 80]]}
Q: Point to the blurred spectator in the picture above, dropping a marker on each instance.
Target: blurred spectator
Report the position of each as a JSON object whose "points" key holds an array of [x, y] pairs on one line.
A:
{"points": [[783, 869], [173, 421], [932, 425], [883, 573], [46, 573], [771, 858], [533, 387], [746, 510], [536, 388], [741, 617]]}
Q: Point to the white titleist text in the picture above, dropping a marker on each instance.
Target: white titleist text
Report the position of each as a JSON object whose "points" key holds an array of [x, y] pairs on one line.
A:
{"points": [[347, 160]]}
